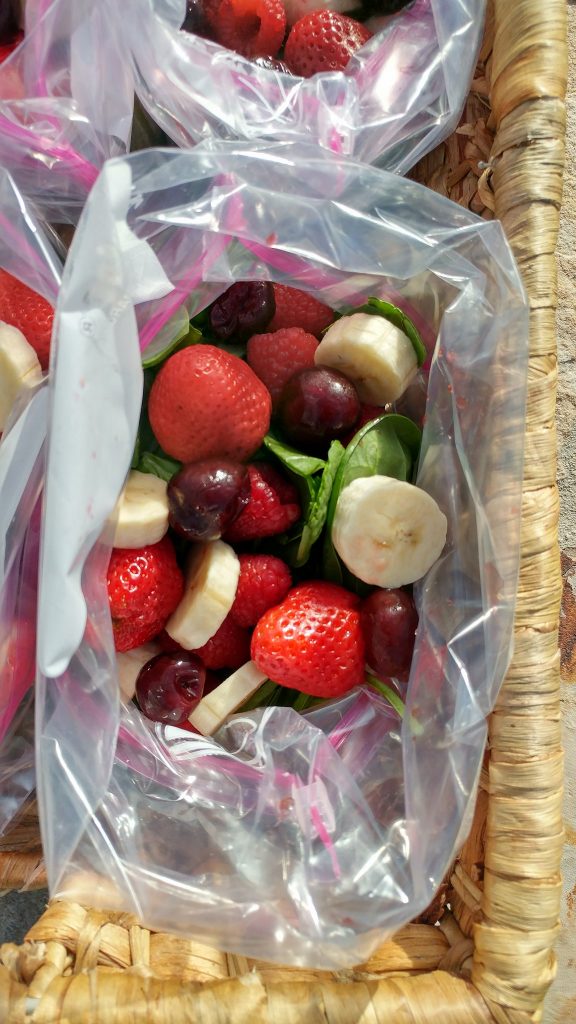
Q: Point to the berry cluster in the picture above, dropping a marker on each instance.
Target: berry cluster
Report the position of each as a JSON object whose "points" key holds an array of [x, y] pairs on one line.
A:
{"points": [[298, 37]]}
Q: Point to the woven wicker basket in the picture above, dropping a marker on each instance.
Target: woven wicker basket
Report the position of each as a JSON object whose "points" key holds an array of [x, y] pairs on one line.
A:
{"points": [[489, 959]]}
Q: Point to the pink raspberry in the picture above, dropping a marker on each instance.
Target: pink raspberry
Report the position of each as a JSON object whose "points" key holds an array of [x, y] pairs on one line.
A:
{"points": [[228, 648], [273, 506], [295, 308], [264, 581], [277, 356]]}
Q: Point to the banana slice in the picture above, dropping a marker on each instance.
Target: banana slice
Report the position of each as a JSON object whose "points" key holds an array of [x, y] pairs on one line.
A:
{"points": [[387, 532], [374, 354], [19, 368], [214, 709], [142, 511], [211, 583], [128, 665]]}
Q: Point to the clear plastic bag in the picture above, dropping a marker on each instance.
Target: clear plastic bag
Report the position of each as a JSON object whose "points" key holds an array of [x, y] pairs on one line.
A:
{"points": [[66, 101], [397, 99], [303, 839], [26, 251]]}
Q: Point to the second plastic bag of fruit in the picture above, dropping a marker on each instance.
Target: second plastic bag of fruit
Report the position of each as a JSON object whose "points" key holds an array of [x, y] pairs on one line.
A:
{"points": [[300, 838], [394, 100], [65, 103]]}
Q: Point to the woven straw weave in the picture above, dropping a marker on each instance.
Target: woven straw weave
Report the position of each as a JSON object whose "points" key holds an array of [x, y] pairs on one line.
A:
{"points": [[489, 960]]}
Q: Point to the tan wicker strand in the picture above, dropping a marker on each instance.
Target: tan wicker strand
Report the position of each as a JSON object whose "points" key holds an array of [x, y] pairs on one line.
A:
{"points": [[527, 166], [490, 960]]}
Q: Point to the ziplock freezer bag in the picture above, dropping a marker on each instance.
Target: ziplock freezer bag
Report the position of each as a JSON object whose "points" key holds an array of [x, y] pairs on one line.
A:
{"points": [[398, 98], [303, 839], [65, 103], [26, 252]]}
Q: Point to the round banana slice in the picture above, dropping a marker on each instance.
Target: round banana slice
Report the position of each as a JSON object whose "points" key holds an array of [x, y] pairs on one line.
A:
{"points": [[210, 589], [142, 511], [374, 354], [387, 532], [19, 368]]}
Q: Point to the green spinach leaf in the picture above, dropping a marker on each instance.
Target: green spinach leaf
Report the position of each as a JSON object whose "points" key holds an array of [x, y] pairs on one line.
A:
{"points": [[317, 510], [302, 465], [159, 465]]}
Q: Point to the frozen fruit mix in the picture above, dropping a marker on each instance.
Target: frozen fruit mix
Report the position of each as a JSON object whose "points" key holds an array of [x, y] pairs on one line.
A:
{"points": [[298, 37], [281, 529]]}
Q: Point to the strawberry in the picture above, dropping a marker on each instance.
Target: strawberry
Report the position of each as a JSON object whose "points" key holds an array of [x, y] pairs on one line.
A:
{"points": [[228, 648], [264, 581], [323, 41], [295, 308], [272, 508], [254, 28], [144, 587], [29, 312], [313, 641], [206, 402], [278, 356]]}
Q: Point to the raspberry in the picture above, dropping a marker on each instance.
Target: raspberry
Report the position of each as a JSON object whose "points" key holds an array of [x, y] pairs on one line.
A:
{"points": [[144, 587], [264, 581], [228, 648], [206, 402], [295, 308], [313, 641], [323, 41], [276, 357], [254, 28], [273, 506]]}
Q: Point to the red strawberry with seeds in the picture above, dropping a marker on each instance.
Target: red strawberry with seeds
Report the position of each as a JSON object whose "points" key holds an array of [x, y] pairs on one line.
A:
{"points": [[228, 648], [272, 508], [206, 402], [264, 582], [144, 587], [254, 28], [295, 308], [276, 357], [323, 41], [313, 641], [29, 312]]}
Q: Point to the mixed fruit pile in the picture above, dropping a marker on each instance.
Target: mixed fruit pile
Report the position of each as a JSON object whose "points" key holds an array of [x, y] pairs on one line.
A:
{"points": [[269, 529], [298, 37]]}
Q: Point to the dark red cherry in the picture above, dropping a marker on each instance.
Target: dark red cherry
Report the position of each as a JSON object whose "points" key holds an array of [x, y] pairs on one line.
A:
{"points": [[246, 308], [317, 406], [170, 686], [205, 497], [389, 619]]}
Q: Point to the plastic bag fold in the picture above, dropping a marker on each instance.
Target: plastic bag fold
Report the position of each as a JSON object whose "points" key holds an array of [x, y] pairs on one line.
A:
{"points": [[398, 98]]}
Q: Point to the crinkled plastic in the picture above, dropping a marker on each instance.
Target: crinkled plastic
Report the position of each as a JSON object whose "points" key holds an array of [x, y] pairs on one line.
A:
{"points": [[398, 98], [303, 839], [26, 251], [66, 100]]}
